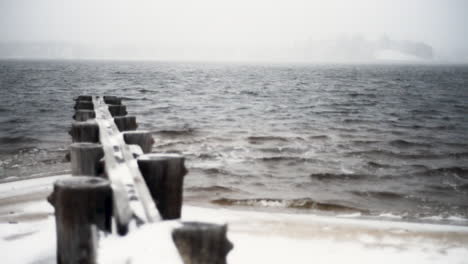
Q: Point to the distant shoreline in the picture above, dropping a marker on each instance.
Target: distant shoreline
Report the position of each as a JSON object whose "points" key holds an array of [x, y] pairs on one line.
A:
{"points": [[240, 62]]}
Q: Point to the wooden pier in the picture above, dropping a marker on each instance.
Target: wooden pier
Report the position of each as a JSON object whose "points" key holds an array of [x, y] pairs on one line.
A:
{"points": [[119, 185]]}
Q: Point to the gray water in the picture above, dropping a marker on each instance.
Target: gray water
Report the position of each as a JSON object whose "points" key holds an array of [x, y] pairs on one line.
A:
{"points": [[374, 139]]}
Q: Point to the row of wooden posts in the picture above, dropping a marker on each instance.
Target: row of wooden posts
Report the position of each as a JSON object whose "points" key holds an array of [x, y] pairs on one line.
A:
{"points": [[118, 181]]}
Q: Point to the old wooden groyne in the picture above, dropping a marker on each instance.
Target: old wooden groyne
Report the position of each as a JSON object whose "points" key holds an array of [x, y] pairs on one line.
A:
{"points": [[119, 185]]}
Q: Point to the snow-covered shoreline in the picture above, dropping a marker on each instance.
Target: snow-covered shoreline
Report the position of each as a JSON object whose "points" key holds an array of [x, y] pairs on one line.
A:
{"points": [[27, 233]]}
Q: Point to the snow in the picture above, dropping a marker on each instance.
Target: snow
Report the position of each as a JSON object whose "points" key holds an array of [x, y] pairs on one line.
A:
{"points": [[27, 235], [151, 243]]}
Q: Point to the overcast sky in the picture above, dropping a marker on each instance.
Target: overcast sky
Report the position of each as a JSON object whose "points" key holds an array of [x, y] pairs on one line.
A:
{"points": [[215, 26]]}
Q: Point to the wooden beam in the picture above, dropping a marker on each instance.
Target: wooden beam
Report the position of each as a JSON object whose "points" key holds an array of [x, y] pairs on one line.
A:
{"points": [[132, 199]]}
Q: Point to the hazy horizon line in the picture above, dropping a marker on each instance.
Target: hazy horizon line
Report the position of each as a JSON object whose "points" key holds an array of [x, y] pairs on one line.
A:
{"points": [[246, 62]]}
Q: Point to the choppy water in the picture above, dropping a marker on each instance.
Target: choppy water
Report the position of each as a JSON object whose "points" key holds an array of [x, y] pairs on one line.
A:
{"points": [[389, 140]]}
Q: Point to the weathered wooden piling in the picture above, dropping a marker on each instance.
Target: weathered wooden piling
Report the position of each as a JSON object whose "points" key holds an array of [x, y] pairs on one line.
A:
{"points": [[144, 139], [84, 98], [112, 100], [164, 176], [147, 193], [85, 159], [82, 204], [126, 123], [84, 115], [84, 105], [87, 131], [117, 110], [202, 243]]}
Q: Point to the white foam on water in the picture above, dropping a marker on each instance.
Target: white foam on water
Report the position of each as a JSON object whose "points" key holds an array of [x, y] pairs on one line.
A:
{"points": [[353, 215], [390, 215]]}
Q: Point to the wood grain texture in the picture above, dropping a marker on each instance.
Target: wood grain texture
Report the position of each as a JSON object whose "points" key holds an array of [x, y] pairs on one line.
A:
{"points": [[144, 139], [164, 175], [82, 205], [126, 123], [83, 115], [202, 243], [85, 159], [132, 199], [87, 131], [84, 105], [117, 110]]}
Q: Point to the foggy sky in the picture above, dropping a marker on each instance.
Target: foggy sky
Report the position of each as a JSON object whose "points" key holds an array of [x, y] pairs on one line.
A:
{"points": [[279, 30]]}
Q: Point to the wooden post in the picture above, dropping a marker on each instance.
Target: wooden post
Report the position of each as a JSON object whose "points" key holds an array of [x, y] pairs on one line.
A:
{"points": [[84, 105], [144, 139], [201, 243], [85, 131], [117, 110], [112, 100], [126, 123], [85, 159], [135, 150], [84, 98], [81, 204], [164, 175], [83, 115]]}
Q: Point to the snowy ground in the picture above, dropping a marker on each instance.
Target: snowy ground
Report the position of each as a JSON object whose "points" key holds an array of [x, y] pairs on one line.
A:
{"points": [[27, 234]]}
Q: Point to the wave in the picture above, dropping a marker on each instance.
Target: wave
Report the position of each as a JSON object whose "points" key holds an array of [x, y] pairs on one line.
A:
{"points": [[215, 188], [135, 99], [356, 121], [281, 150], [392, 154], [322, 137], [364, 142], [205, 156], [461, 172], [458, 155], [302, 203], [337, 176], [175, 132], [144, 90], [249, 93], [406, 144], [14, 120], [123, 73], [378, 165], [17, 139], [379, 194], [211, 171], [283, 158], [261, 139], [354, 94]]}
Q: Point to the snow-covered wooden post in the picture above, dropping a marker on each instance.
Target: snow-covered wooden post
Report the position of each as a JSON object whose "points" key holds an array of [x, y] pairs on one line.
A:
{"points": [[82, 204], [117, 110], [87, 131], [84, 115], [88, 98], [164, 176], [112, 100], [125, 123], [84, 105], [202, 243], [144, 139], [85, 159]]}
